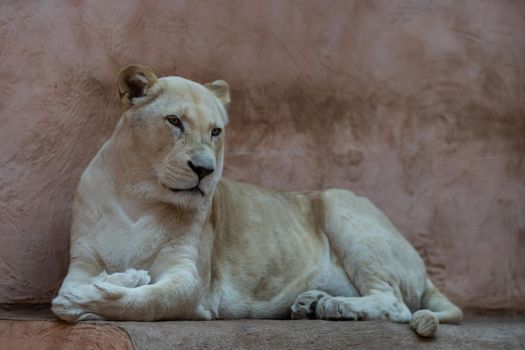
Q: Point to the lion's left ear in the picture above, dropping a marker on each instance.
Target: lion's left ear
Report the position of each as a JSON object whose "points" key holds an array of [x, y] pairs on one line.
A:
{"points": [[221, 89]]}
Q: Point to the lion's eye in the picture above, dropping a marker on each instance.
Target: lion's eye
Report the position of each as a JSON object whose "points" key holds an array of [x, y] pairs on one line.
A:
{"points": [[216, 132], [175, 121]]}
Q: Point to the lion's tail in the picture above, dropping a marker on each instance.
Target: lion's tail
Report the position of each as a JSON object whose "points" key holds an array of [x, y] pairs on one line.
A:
{"points": [[436, 309]]}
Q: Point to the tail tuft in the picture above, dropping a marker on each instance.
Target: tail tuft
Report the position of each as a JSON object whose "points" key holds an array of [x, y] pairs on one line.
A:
{"points": [[424, 323]]}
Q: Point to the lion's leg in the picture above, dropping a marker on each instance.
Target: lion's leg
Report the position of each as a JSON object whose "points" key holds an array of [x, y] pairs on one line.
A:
{"points": [[74, 289], [383, 267], [378, 305], [173, 293], [81, 272], [173, 296], [80, 282], [306, 303]]}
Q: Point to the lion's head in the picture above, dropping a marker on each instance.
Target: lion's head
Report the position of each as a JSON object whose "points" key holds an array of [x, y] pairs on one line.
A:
{"points": [[177, 127]]}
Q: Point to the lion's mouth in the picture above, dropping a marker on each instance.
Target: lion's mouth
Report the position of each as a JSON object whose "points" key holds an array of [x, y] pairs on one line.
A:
{"points": [[195, 189]]}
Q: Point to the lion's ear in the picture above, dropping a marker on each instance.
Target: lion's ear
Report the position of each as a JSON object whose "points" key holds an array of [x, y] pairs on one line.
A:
{"points": [[134, 81], [221, 89]]}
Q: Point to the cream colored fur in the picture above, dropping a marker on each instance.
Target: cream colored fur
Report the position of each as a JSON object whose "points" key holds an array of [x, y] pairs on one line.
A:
{"points": [[143, 248]]}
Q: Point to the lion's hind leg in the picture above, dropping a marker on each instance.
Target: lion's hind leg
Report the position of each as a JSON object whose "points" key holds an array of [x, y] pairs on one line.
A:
{"points": [[376, 306]]}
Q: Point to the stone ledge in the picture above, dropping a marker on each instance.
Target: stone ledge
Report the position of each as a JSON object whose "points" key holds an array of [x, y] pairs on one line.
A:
{"points": [[27, 329]]}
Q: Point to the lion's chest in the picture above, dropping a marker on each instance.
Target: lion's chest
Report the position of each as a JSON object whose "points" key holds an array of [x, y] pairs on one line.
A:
{"points": [[129, 244]]}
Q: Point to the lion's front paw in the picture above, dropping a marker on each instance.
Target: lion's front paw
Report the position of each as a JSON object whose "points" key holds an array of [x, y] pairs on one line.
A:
{"points": [[131, 278], [305, 304], [69, 312], [82, 302], [65, 310]]}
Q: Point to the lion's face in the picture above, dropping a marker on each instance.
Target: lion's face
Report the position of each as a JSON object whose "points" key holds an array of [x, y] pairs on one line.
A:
{"points": [[178, 127]]}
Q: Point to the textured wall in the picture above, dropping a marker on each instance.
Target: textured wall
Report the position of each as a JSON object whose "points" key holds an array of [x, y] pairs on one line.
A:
{"points": [[419, 105]]}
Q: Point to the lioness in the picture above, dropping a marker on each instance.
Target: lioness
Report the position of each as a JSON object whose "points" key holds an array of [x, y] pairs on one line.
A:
{"points": [[157, 234]]}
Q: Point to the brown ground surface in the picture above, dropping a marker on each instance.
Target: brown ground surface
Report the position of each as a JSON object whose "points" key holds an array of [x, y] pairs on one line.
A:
{"points": [[38, 329], [52, 335], [265, 334]]}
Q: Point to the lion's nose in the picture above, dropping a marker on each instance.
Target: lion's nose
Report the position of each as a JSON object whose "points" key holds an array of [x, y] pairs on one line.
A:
{"points": [[201, 171]]}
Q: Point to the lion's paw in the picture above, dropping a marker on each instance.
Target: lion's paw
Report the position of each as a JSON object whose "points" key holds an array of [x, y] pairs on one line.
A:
{"points": [[67, 311], [131, 278], [110, 291], [305, 304], [334, 308], [86, 302]]}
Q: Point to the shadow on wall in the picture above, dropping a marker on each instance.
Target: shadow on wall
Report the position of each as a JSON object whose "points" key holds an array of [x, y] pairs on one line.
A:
{"points": [[418, 105]]}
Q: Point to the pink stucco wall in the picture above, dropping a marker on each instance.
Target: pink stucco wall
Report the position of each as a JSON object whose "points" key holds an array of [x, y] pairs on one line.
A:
{"points": [[419, 105]]}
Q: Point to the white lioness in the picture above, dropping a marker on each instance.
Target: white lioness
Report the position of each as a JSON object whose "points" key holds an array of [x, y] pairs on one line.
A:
{"points": [[157, 234]]}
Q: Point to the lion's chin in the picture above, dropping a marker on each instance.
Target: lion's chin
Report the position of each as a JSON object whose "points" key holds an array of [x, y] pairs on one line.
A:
{"points": [[196, 190]]}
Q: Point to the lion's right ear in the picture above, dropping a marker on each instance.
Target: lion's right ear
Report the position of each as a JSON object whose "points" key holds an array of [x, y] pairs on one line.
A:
{"points": [[134, 81], [221, 90]]}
